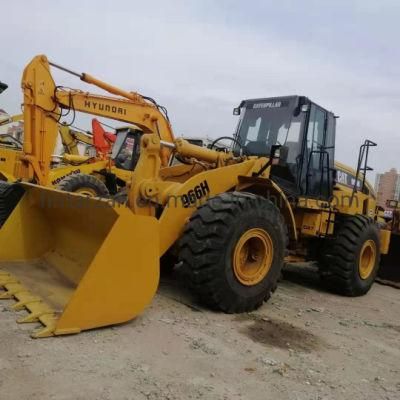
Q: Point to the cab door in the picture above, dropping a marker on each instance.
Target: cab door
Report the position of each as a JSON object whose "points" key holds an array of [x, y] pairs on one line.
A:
{"points": [[318, 154]]}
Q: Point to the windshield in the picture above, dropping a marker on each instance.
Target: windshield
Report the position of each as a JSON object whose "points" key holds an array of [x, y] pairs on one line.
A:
{"points": [[125, 149], [119, 141], [268, 123]]}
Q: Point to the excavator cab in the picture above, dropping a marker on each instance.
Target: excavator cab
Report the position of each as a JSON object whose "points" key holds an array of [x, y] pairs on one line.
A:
{"points": [[305, 135], [126, 149]]}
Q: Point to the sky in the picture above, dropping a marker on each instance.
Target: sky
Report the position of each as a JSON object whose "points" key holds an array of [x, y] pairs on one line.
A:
{"points": [[201, 58]]}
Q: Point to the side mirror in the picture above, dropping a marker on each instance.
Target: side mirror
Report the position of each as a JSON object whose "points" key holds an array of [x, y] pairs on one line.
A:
{"points": [[236, 111]]}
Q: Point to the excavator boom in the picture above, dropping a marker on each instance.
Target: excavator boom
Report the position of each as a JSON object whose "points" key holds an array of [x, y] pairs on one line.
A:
{"points": [[44, 100]]}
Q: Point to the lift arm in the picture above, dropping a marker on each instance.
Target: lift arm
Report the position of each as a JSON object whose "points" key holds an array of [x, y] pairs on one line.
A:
{"points": [[44, 103]]}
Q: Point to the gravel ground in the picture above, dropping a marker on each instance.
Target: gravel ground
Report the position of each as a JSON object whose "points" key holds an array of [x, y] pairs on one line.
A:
{"points": [[303, 344]]}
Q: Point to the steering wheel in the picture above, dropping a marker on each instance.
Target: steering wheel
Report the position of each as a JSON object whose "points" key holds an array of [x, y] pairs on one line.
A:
{"points": [[234, 140]]}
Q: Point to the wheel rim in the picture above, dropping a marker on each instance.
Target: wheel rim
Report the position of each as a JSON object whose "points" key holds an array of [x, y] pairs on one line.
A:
{"points": [[367, 259], [86, 191], [252, 257]]}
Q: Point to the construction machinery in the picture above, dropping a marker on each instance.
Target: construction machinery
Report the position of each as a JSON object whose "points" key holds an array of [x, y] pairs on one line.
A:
{"points": [[64, 169], [389, 273], [11, 148], [96, 163], [70, 138], [98, 139], [95, 178], [232, 217]]}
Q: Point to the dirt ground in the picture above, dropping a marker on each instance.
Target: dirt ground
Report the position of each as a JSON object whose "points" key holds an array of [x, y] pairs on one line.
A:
{"points": [[303, 344]]}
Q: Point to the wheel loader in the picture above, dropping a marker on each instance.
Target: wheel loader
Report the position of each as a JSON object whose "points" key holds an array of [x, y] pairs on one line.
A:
{"points": [[232, 217]]}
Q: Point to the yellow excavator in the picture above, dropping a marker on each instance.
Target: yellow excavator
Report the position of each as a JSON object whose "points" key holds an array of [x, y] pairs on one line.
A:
{"points": [[100, 176], [234, 217]]}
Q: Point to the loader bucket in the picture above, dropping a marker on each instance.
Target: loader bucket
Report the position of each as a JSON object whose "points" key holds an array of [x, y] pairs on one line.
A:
{"points": [[389, 271], [76, 263]]}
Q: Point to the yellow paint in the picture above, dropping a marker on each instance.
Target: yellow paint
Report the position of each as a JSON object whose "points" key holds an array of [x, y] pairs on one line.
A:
{"points": [[367, 259], [67, 263], [71, 251], [385, 237], [311, 224], [253, 256], [41, 129]]}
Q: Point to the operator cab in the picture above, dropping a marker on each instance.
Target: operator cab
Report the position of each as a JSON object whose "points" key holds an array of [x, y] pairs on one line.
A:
{"points": [[126, 149], [303, 132]]}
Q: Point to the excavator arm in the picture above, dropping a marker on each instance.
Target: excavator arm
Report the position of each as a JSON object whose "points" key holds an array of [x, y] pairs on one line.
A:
{"points": [[146, 116], [70, 139], [99, 139], [45, 104]]}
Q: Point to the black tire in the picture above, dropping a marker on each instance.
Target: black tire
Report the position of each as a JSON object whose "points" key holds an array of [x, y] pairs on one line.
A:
{"points": [[10, 195], [87, 184], [340, 256], [207, 246], [167, 263]]}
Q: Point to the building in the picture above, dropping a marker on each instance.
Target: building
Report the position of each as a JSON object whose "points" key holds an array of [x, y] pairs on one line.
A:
{"points": [[387, 187]]}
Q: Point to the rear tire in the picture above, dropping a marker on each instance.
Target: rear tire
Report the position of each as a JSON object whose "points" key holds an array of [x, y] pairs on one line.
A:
{"points": [[223, 249], [10, 195], [87, 185], [350, 261]]}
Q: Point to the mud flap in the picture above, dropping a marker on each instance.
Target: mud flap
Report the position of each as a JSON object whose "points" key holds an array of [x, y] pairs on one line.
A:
{"points": [[389, 271], [77, 263]]}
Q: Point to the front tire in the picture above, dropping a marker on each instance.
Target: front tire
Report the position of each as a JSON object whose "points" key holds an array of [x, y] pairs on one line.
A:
{"points": [[350, 261], [232, 251], [87, 185]]}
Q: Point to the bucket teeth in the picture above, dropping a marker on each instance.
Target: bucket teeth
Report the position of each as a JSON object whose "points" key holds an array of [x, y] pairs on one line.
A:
{"points": [[14, 289], [35, 316], [29, 299], [38, 310], [49, 321]]}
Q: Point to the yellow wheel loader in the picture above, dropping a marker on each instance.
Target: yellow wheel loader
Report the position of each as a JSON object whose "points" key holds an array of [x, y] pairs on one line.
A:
{"points": [[233, 217]]}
